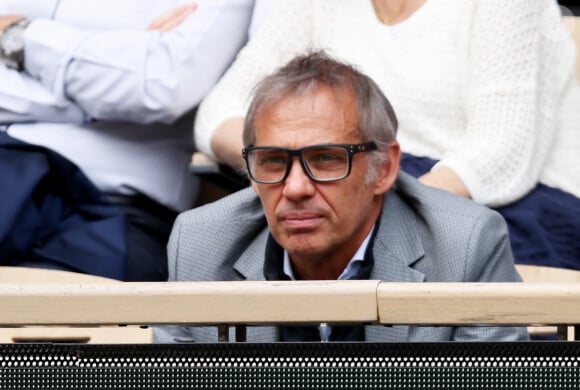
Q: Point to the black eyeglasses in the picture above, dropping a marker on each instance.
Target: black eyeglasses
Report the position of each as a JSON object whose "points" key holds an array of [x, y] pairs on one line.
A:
{"points": [[322, 163]]}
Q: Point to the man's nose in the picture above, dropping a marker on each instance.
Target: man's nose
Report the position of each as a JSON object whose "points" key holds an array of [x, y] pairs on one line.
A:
{"points": [[298, 184]]}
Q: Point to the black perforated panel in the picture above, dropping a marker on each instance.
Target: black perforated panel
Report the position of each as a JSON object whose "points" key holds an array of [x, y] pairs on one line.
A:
{"points": [[537, 365]]}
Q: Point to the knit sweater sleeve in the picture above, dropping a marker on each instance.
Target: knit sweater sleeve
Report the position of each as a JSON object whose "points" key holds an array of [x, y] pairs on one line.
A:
{"points": [[286, 33], [510, 127]]}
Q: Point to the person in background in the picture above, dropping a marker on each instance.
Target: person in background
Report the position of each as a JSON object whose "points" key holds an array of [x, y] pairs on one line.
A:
{"points": [[328, 202], [486, 94], [112, 87]]}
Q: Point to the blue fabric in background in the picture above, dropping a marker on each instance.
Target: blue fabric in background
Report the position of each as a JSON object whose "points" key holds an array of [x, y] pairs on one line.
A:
{"points": [[52, 216], [544, 225]]}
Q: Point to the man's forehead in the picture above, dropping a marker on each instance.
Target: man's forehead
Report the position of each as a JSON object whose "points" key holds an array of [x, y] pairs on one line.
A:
{"points": [[322, 109], [312, 97], [293, 135]]}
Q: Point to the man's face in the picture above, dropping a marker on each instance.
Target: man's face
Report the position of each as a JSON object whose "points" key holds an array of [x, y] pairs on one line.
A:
{"points": [[319, 221]]}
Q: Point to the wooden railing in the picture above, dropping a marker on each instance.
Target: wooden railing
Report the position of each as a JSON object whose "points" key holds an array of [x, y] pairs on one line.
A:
{"points": [[258, 303]]}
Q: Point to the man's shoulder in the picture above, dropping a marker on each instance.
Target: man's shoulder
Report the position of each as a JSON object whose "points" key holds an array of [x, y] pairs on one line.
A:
{"points": [[436, 202], [447, 237], [438, 214]]}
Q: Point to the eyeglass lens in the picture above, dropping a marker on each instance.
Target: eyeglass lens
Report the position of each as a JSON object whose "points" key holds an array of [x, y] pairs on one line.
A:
{"points": [[323, 163]]}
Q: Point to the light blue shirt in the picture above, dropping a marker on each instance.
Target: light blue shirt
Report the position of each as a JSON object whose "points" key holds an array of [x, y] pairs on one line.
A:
{"points": [[106, 93]]}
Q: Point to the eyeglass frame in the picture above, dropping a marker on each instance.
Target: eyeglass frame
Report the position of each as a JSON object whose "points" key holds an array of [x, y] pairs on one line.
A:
{"points": [[351, 150]]}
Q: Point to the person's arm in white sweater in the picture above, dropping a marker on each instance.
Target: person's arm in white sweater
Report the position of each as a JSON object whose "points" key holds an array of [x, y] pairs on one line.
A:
{"points": [[219, 122]]}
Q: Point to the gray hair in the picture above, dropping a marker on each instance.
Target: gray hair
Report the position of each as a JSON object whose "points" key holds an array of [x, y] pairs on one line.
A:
{"points": [[304, 74]]}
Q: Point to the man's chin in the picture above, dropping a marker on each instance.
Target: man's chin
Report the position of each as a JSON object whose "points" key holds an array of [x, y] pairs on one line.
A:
{"points": [[304, 249]]}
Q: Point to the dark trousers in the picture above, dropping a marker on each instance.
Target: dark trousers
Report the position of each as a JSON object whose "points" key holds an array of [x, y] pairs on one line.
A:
{"points": [[53, 216], [148, 227]]}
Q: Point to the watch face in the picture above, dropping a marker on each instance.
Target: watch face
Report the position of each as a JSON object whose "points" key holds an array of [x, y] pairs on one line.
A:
{"points": [[13, 40]]}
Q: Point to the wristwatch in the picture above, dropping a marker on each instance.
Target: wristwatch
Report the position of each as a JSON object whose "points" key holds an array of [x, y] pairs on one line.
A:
{"points": [[12, 44]]}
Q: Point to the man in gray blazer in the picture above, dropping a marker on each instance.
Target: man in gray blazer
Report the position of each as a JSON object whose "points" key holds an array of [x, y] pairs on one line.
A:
{"points": [[328, 202]]}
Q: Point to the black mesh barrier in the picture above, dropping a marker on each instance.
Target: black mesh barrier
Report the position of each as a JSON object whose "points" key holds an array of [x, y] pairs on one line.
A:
{"points": [[517, 365]]}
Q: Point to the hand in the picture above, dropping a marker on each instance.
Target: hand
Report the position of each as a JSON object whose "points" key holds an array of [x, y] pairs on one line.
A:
{"points": [[173, 18], [446, 179], [7, 20]]}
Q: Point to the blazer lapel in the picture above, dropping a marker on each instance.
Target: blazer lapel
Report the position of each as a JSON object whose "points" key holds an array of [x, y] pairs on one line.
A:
{"points": [[250, 265], [396, 248]]}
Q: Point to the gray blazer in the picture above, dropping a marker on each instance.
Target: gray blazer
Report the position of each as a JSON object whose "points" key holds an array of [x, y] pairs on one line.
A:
{"points": [[425, 235]]}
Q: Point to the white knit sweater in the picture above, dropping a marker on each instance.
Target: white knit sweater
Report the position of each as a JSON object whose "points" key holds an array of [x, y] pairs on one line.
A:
{"points": [[486, 86]]}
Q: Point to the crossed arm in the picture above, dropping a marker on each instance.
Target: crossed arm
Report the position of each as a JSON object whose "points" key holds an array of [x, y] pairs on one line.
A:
{"points": [[151, 75]]}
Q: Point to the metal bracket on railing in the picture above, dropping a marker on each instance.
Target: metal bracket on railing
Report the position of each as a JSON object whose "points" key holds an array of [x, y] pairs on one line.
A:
{"points": [[224, 333]]}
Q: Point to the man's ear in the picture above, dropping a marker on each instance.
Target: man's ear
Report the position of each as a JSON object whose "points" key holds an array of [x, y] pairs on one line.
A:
{"points": [[387, 173]]}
